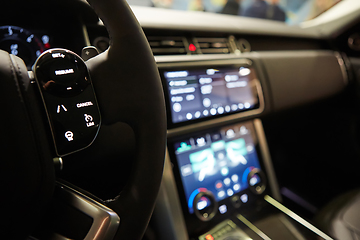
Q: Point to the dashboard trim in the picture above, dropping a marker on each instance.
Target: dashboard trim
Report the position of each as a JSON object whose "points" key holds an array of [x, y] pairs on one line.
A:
{"points": [[168, 206], [342, 65], [86, 35], [252, 227], [206, 21], [105, 220], [296, 217], [265, 153]]}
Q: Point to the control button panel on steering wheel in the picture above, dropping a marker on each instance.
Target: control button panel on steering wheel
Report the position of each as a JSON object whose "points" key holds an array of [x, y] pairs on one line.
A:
{"points": [[69, 99]]}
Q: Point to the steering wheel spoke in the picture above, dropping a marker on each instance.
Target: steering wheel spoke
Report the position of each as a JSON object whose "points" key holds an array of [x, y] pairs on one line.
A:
{"points": [[76, 215]]}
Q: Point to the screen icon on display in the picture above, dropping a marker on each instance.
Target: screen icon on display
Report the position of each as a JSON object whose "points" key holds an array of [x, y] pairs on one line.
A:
{"points": [[186, 170], [223, 209], [183, 146], [244, 198], [221, 194]]}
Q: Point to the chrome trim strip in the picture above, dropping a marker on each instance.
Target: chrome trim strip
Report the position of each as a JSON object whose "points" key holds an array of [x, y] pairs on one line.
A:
{"points": [[86, 35], [31, 75], [265, 153], [294, 231], [168, 212], [351, 41], [198, 60], [105, 221], [342, 65], [57, 236], [233, 46], [252, 227], [296, 217]]}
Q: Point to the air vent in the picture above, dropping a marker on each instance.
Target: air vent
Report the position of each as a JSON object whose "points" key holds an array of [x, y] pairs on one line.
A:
{"points": [[212, 45], [244, 45], [168, 45]]}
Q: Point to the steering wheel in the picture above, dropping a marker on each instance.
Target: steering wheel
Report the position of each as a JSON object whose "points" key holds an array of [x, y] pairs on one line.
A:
{"points": [[129, 93]]}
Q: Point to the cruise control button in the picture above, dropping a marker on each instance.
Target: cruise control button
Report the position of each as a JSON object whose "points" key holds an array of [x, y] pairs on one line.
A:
{"points": [[89, 120], [61, 108], [84, 104], [69, 136], [69, 99], [61, 73]]}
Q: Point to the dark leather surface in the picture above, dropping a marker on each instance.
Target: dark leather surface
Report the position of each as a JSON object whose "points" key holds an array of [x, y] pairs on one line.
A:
{"points": [[129, 93], [27, 174], [128, 88], [341, 217]]}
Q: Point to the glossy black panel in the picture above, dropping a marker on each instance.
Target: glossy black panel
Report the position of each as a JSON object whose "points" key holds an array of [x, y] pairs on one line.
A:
{"points": [[69, 98]]}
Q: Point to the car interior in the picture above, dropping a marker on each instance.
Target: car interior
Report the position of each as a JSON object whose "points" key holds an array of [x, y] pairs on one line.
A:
{"points": [[136, 122]]}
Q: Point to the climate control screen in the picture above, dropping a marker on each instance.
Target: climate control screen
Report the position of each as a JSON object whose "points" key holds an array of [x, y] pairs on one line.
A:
{"points": [[206, 92], [218, 163]]}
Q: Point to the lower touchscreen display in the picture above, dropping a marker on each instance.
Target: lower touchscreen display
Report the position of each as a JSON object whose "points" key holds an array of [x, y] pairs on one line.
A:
{"points": [[218, 161], [204, 92]]}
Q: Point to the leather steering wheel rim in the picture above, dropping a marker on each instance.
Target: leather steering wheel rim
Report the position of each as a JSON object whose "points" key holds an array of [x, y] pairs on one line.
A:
{"points": [[145, 110], [128, 89]]}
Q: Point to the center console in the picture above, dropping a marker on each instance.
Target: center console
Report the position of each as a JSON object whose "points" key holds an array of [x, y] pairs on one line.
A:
{"points": [[217, 171], [218, 180]]}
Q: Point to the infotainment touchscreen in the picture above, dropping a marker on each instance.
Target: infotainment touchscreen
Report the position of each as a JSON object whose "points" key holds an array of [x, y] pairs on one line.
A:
{"points": [[218, 162], [196, 93]]}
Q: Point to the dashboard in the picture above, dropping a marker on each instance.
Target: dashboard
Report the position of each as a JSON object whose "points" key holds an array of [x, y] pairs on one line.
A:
{"points": [[27, 33], [252, 106], [221, 161]]}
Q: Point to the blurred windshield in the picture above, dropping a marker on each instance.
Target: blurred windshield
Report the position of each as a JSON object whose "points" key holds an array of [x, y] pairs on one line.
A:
{"points": [[289, 11]]}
